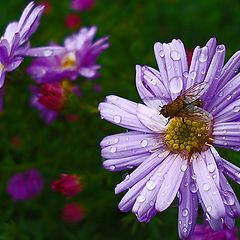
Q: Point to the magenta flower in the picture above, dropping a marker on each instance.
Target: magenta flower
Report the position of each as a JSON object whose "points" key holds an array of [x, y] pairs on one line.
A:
{"points": [[51, 98], [14, 43], [82, 5], [178, 155], [79, 59], [26, 185], [73, 212], [205, 232]]}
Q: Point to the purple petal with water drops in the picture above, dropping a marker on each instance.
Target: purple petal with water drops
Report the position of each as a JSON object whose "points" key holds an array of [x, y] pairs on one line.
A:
{"points": [[188, 205], [45, 51], [142, 170], [171, 183], [122, 116], [151, 118], [129, 144], [130, 197], [226, 135], [14, 64], [231, 170], [10, 31], [211, 199], [211, 45], [147, 199]]}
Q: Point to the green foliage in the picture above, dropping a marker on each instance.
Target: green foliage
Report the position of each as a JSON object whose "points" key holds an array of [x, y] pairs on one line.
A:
{"points": [[73, 147]]}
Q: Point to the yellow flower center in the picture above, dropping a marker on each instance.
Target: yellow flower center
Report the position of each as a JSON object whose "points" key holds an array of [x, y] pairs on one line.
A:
{"points": [[69, 60], [186, 136]]}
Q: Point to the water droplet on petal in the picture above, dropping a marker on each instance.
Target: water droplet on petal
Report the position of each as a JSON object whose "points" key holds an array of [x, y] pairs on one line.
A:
{"points": [[176, 84], [150, 185], [228, 198], [184, 168], [185, 74], [140, 199], [117, 119], [47, 53], [209, 208], [180, 222], [112, 168], [229, 97], [184, 229], [194, 176], [220, 94], [175, 55], [116, 140], [206, 187], [193, 75], [113, 149], [211, 167], [144, 143], [153, 82], [161, 53], [185, 212], [236, 109], [193, 188], [214, 109], [203, 57]]}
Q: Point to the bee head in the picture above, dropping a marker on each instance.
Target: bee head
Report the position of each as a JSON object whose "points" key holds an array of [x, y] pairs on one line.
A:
{"points": [[164, 111]]}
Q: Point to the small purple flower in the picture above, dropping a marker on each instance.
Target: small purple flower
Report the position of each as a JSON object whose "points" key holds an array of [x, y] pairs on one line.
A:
{"points": [[51, 98], [205, 232], [177, 156], [82, 5], [14, 43], [79, 58], [26, 185]]}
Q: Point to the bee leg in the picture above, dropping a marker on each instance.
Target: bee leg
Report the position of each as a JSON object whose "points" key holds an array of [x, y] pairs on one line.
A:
{"points": [[168, 121]]}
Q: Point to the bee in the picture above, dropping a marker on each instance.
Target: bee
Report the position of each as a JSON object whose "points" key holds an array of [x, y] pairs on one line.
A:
{"points": [[188, 105]]}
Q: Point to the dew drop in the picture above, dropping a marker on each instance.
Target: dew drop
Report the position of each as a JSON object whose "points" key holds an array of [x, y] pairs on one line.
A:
{"points": [[140, 199], [209, 208], [184, 229], [193, 75], [151, 203], [236, 109], [203, 71], [176, 84], [229, 97], [203, 57], [180, 222], [117, 119], [150, 185], [175, 55], [161, 53], [220, 94], [211, 167], [116, 140], [144, 143], [185, 212], [194, 176], [47, 53], [113, 149], [153, 82], [185, 74], [206, 187], [112, 168], [228, 198], [193, 188], [220, 48], [184, 168], [214, 109]]}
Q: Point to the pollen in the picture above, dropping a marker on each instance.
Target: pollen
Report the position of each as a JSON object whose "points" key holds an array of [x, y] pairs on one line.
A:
{"points": [[187, 136], [69, 61]]}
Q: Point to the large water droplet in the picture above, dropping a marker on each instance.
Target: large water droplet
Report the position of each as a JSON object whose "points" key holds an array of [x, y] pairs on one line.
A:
{"points": [[203, 57], [211, 167], [184, 167], [150, 185], [161, 53], [228, 198], [236, 109], [112, 168], [193, 188], [185, 212], [175, 55], [144, 143], [140, 199], [176, 84], [117, 119], [113, 149], [206, 186]]}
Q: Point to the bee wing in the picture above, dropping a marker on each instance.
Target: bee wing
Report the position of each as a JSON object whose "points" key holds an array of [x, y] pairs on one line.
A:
{"points": [[195, 92], [155, 102], [196, 113]]}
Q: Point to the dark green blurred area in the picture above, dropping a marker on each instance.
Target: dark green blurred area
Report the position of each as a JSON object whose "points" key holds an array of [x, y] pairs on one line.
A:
{"points": [[73, 147]]}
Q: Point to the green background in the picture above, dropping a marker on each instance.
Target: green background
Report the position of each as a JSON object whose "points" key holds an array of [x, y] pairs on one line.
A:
{"points": [[73, 147]]}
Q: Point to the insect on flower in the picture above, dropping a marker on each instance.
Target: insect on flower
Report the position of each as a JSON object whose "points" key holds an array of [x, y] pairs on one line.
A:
{"points": [[188, 105]]}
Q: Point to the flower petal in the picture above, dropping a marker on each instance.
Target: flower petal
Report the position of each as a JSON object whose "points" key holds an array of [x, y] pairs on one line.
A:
{"points": [[151, 118], [231, 170], [129, 144], [122, 113], [209, 193], [45, 51], [142, 170], [171, 183]]}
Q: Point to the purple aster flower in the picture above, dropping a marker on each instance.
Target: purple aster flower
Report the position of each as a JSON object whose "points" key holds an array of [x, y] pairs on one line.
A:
{"points": [[51, 98], [205, 232], [177, 156], [26, 185], [82, 5], [79, 58], [14, 43]]}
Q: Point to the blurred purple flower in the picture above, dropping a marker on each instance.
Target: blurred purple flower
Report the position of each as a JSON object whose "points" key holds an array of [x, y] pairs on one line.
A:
{"points": [[14, 43], [205, 232], [171, 155], [79, 59], [73, 212], [26, 185], [72, 21], [51, 98], [82, 5]]}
